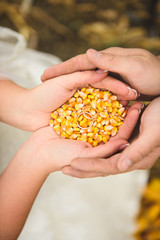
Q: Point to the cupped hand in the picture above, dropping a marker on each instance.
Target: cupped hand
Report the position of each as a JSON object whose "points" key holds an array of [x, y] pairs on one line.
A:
{"points": [[53, 153], [48, 96], [138, 67], [95, 167]]}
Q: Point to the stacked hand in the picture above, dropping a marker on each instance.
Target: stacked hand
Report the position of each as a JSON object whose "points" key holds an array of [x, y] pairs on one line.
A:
{"points": [[141, 70], [44, 152]]}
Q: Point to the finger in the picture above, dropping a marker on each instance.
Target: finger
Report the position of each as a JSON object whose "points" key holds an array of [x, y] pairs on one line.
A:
{"points": [[80, 174], [79, 79], [104, 150], [119, 88], [137, 151], [109, 61], [126, 51], [148, 161], [74, 64], [100, 166], [130, 122]]}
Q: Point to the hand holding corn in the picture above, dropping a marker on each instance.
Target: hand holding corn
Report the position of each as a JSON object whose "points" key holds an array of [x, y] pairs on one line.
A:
{"points": [[138, 67], [142, 153]]}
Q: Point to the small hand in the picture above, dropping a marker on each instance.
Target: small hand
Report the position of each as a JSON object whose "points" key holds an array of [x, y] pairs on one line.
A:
{"points": [[50, 95], [54, 153]]}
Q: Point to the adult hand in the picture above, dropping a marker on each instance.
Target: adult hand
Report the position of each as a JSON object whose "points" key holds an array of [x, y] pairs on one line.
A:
{"points": [[142, 153], [138, 67]]}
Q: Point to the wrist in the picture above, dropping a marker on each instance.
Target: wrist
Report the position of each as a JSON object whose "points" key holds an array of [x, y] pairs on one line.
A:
{"points": [[14, 110], [29, 158]]}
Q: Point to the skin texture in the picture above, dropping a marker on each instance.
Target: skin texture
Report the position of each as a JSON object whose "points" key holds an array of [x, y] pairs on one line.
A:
{"points": [[141, 70], [138, 67], [42, 153], [142, 153]]}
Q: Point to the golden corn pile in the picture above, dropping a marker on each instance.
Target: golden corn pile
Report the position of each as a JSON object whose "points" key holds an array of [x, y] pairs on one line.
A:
{"points": [[91, 115], [148, 219]]}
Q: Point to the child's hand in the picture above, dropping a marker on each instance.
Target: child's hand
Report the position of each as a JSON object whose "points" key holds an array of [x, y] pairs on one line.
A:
{"points": [[53, 152], [31, 109]]}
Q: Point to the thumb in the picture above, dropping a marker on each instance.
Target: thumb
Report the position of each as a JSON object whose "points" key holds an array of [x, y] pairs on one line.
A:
{"points": [[109, 61], [136, 152]]}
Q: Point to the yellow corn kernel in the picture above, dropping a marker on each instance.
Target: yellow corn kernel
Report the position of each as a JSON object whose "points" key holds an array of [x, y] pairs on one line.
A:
{"points": [[90, 96], [105, 139], [105, 96], [99, 139], [86, 101], [76, 129], [99, 125], [94, 143], [99, 119], [60, 119], [57, 129], [68, 123], [90, 140], [51, 122], [104, 114], [115, 104], [114, 131], [108, 128], [110, 109], [79, 106], [64, 135], [76, 94], [113, 98], [69, 131], [74, 125], [100, 94], [73, 136], [65, 106], [119, 123], [54, 116], [90, 134], [84, 137], [71, 100], [121, 110], [96, 130], [83, 95], [100, 109], [113, 122]]}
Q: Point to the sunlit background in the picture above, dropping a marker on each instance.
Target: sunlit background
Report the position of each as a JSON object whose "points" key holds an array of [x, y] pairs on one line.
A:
{"points": [[66, 28]]}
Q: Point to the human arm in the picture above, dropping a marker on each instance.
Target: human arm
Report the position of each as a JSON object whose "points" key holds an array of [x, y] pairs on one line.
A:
{"points": [[30, 109], [142, 153], [35, 160], [138, 67]]}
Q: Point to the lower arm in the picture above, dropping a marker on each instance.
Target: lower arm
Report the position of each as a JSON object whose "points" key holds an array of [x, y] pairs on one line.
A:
{"points": [[19, 186], [13, 101]]}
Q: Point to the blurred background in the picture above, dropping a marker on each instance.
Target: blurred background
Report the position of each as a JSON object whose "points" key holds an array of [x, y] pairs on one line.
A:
{"points": [[66, 28]]}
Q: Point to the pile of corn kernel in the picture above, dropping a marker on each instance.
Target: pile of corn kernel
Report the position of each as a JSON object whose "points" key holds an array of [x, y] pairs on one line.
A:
{"points": [[91, 115]]}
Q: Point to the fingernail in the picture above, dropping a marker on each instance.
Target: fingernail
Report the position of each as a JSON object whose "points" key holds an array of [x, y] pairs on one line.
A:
{"points": [[136, 93], [124, 165], [129, 90], [101, 71], [122, 147]]}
